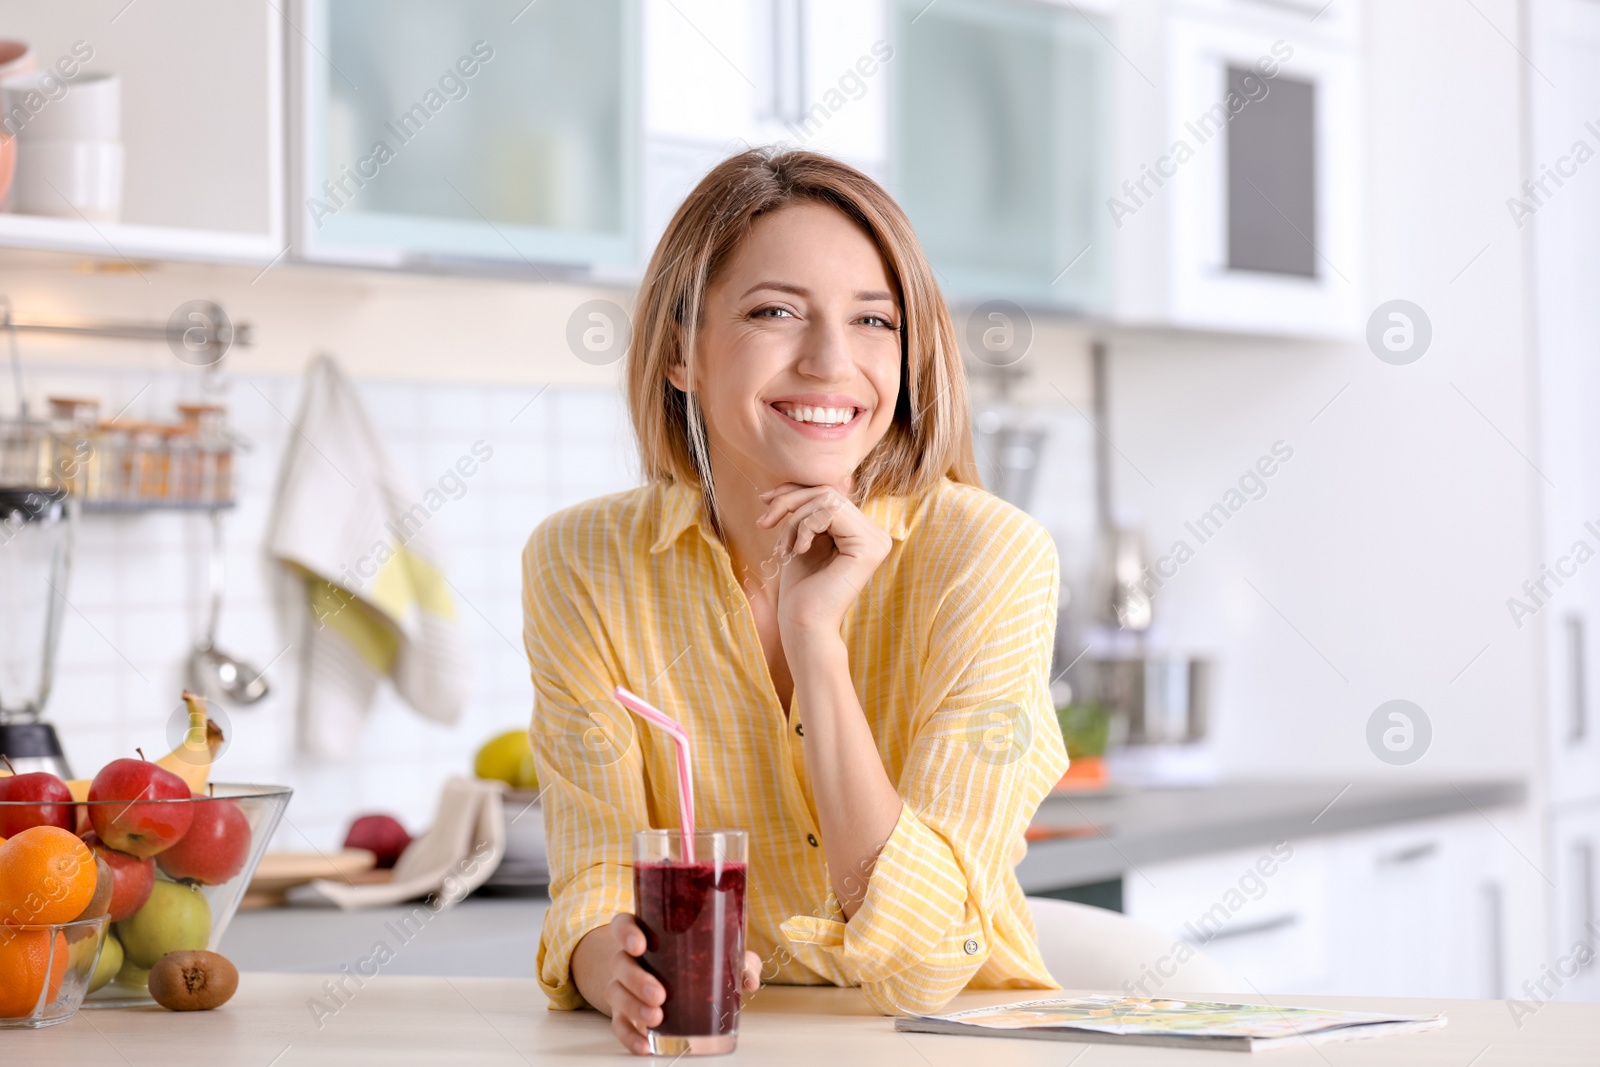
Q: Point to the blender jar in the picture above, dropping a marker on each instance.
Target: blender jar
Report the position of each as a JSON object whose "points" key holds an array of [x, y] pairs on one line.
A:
{"points": [[36, 527]]}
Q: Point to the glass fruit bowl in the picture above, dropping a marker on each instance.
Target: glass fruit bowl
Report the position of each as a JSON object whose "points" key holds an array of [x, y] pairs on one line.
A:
{"points": [[45, 970], [199, 853]]}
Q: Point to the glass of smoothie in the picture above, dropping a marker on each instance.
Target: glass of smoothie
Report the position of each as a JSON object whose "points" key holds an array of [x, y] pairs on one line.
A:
{"points": [[692, 914]]}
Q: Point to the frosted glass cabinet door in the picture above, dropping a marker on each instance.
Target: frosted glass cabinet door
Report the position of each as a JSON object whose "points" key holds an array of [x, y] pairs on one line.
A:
{"points": [[998, 148], [478, 130]]}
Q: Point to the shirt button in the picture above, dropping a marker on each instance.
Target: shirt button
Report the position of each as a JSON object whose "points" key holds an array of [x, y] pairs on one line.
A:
{"points": [[799, 728], [971, 946], [811, 839]]}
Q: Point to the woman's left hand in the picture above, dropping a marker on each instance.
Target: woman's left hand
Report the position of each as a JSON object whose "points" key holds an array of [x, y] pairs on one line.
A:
{"points": [[827, 550]]}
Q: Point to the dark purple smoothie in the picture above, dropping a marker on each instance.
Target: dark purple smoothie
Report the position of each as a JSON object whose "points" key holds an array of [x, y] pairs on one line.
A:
{"points": [[692, 915]]}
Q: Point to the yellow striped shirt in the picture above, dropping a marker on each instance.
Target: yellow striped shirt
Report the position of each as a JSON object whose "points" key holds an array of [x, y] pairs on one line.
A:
{"points": [[949, 647]]}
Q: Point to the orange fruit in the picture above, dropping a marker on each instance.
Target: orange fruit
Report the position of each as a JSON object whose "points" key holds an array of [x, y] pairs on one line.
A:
{"points": [[29, 959], [47, 875]]}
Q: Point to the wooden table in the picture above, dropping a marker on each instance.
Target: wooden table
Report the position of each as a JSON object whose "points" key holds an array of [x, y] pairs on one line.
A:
{"points": [[396, 1020]]}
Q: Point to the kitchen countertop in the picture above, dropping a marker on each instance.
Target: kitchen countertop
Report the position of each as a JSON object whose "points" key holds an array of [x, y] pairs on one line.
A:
{"points": [[498, 937], [491, 1022], [1115, 833]]}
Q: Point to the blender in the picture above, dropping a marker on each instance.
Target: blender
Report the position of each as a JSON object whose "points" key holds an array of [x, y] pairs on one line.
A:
{"points": [[36, 528]]}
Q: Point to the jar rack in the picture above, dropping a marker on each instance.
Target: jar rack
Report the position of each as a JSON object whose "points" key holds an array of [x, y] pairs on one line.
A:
{"points": [[118, 466]]}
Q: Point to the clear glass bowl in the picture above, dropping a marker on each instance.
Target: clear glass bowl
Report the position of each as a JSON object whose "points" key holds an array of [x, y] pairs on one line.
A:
{"points": [[46, 971], [190, 919]]}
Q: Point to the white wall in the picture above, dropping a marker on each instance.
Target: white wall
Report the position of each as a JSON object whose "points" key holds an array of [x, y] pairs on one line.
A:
{"points": [[1404, 519]]}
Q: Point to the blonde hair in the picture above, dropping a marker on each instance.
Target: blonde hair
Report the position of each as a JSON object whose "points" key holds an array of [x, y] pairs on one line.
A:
{"points": [[930, 436]]}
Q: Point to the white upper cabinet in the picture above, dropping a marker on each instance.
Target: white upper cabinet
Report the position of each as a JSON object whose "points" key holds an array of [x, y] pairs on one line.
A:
{"points": [[200, 129], [1179, 163], [721, 76], [999, 148], [477, 131], [1236, 199]]}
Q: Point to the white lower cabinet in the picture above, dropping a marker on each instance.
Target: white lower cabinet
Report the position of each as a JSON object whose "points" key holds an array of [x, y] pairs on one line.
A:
{"points": [[1572, 970], [1262, 914], [1409, 910], [1418, 911]]}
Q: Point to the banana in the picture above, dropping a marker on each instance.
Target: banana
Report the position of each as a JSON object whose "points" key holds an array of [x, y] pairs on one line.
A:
{"points": [[191, 760]]}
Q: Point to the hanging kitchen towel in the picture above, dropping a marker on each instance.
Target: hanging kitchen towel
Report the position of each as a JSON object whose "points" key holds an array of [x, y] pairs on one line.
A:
{"points": [[457, 854], [380, 606]]}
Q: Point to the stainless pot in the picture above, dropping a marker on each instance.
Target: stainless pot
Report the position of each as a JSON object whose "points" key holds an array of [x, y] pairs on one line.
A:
{"points": [[1164, 700]]}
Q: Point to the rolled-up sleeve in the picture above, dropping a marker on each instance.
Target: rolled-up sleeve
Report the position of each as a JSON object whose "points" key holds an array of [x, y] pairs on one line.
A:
{"points": [[590, 772], [987, 750]]}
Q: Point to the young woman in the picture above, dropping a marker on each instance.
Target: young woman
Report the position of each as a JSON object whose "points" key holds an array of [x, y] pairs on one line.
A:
{"points": [[854, 634]]}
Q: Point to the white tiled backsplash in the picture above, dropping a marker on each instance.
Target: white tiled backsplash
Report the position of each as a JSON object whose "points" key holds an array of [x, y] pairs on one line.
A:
{"points": [[138, 584]]}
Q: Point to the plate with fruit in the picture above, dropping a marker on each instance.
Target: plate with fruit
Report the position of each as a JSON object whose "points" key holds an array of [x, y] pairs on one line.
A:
{"points": [[166, 853]]}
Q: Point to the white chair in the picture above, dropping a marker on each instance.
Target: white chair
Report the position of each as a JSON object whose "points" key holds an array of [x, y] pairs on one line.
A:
{"points": [[1088, 948]]}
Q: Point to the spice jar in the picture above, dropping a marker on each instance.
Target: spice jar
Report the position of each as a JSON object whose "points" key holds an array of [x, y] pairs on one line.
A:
{"points": [[72, 426], [213, 451]]}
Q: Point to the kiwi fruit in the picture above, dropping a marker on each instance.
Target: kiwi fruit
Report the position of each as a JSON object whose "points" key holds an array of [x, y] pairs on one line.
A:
{"points": [[193, 980]]}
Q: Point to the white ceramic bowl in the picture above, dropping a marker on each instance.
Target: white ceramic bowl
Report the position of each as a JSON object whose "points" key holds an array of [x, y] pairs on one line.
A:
{"points": [[66, 179]]}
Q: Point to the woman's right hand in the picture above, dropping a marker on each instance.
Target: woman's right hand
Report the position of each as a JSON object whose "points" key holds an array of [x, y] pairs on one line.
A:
{"points": [[607, 972]]}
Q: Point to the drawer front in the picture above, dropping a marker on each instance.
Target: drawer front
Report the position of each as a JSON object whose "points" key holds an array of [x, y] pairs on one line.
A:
{"points": [[1261, 914]]}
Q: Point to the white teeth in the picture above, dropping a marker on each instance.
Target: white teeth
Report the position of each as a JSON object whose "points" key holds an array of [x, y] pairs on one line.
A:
{"points": [[819, 416]]}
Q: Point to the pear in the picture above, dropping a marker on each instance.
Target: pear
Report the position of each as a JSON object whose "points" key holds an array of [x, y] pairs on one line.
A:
{"points": [[176, 916]]}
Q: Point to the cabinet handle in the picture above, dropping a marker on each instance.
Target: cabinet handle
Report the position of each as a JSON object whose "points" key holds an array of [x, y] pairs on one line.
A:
{"points": [[1277, 922], [1494, 915], [1583, 870], [1577, 682], [786, 91], [1410, 854]]}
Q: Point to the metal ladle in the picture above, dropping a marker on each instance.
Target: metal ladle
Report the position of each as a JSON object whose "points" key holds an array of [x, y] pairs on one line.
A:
{"points": [[212, 671]]}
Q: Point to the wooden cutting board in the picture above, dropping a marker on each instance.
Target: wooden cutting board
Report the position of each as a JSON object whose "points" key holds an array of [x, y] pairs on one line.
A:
{"points": [[280, 872]]}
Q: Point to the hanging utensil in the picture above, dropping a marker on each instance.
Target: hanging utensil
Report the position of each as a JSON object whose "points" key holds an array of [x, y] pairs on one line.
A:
{"points": [[212, 671]]}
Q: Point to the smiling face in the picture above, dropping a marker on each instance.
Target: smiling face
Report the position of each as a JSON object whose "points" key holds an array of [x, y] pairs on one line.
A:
{"points": [[798, 354]]}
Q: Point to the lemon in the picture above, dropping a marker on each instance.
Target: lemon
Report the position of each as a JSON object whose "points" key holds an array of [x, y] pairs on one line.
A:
{"points": [[508, 758]]}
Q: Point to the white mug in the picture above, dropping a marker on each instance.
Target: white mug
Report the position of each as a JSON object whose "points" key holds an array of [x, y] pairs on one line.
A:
{"points": [[68, 179]]}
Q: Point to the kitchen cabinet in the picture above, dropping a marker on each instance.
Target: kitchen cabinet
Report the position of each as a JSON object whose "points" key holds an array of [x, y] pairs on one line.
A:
{"points": [[1572, 970], [1560, 604], [476, 132], [1417, 910], [1562, 600], [1236, 198], [999, 138], [1262, 914], [721, 76], [201, 126], [1406, 910]]}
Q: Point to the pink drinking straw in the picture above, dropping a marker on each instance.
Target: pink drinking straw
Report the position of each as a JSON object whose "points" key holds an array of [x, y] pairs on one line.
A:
{"points": [[685, 772]]}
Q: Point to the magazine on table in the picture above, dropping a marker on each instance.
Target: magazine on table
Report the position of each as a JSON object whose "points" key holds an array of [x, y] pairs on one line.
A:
{"points": [[1173, 1023]]}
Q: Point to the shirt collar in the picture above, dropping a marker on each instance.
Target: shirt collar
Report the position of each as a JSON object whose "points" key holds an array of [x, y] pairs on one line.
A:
{"points": [[682, 506]]}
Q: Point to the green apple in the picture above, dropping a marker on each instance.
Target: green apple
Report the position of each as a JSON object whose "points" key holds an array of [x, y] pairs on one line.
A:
{"points": [[176, 916], [110, 963]]}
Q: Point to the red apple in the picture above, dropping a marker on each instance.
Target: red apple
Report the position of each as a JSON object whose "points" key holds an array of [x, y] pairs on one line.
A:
{"points": [[132, 878], [38, 798], [382, 835], [157, 811], [216, 846]]}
